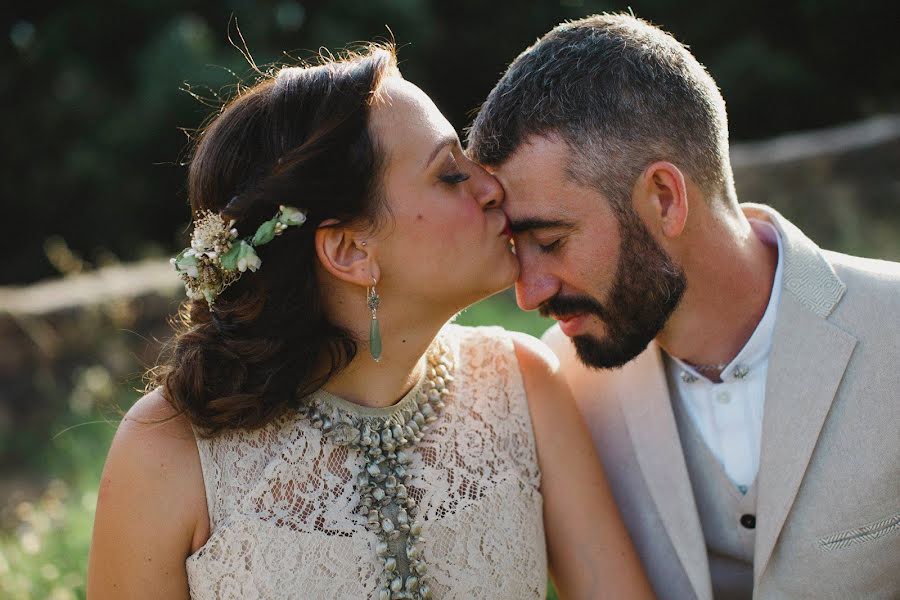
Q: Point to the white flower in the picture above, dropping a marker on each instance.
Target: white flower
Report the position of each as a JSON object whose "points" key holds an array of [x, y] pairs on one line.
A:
{"points": [[217, 257], [248, 261], [210, 229], [291, 215]]}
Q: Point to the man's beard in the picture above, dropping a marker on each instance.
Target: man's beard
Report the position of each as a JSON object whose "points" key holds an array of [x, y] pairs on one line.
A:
{"points": [[646, 289]]}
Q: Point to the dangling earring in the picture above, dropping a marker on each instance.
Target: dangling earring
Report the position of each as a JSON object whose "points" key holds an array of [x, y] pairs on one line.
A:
{"points": [[372, 300]]}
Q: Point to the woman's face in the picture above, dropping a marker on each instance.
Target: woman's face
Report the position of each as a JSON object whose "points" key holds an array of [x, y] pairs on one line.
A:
{"points": [[446, 242]]}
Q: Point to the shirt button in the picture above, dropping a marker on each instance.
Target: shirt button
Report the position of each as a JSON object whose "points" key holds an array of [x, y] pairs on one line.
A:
{"points": [[748, 521], [723, 397]]}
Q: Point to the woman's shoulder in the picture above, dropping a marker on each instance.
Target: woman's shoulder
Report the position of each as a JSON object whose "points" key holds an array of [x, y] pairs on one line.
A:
{"points": [[153, 471], [541, 376], [154, 427], [150, 505], [515, 360], [530, 352], [474, 333]]}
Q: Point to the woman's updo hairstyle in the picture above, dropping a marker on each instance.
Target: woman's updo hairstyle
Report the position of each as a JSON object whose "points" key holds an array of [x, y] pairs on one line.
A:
{"points": [[300, 137]]}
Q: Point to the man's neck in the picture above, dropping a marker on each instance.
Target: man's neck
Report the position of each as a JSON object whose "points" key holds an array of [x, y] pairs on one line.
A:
{"points": [[730, 274]]}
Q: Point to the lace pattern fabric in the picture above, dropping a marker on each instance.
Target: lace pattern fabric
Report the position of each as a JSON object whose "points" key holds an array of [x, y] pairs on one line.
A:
{"points": [[284, 501]]}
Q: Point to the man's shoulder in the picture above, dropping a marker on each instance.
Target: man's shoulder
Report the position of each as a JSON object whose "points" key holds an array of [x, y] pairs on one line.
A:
{"points": [[870, 283], [871, 296], [863, 270]]}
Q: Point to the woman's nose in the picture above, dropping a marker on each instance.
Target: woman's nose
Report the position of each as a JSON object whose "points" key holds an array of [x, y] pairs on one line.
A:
{"points": [[489, 191]]}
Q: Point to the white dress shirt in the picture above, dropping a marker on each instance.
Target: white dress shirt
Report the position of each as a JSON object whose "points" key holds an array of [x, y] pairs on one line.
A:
{"points": [[729, 415]]}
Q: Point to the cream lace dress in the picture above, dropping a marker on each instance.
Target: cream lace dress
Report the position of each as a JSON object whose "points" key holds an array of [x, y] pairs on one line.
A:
{"points": [[285, 501]]}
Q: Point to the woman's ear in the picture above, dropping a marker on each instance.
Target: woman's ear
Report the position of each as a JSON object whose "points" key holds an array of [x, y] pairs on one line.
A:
{"points": [[346, 253]]}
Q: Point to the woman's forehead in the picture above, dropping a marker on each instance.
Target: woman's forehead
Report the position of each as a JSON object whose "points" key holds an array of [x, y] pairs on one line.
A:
{"points": [[405, 119]]}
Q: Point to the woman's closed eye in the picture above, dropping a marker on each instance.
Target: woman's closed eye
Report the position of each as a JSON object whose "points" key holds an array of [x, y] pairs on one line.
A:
{"points": [[454, 177], [452, 174]]}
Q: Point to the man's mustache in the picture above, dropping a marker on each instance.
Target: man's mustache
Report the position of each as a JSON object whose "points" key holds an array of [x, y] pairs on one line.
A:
{"points": [[561, 307]]}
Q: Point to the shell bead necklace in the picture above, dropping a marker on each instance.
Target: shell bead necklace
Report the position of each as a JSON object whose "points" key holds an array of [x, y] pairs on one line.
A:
{"points": [[384, 441]]}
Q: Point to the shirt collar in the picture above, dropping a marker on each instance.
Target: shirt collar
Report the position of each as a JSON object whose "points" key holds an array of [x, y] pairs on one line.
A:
{"points": [[756, 351]]}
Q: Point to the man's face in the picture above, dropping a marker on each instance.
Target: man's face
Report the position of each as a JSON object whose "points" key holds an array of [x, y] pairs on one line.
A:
{"points": [[593, 267]]}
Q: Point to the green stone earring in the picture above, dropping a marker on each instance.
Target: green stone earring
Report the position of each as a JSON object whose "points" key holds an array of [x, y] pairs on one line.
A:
{"points": [[372, 300]]}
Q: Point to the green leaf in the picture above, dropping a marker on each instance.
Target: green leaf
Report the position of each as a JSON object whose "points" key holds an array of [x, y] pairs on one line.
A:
{"points": [[184, 263], [265, 233], [241, 256], [230, 258]]}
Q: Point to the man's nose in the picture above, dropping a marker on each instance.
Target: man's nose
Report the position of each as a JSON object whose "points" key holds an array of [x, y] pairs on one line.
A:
{"points": [[534, 287]]}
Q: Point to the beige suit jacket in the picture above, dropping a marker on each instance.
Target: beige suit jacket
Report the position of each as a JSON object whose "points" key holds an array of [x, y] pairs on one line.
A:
{"points": [[828, 511]]}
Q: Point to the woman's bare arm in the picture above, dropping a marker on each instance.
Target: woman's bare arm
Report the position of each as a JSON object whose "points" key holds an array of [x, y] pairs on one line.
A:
{"points": [[590, 552], [151, 507]]}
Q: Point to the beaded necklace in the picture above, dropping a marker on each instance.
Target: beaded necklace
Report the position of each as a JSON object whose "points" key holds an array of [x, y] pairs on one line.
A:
{"points": [[384, 442]]}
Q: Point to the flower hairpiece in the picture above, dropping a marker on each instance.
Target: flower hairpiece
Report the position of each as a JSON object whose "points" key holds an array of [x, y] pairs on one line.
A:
{"points": [[217, 258]]}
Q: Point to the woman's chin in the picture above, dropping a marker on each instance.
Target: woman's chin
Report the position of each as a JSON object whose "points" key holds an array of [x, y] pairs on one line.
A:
{"points": [[504, 275], [494, 276], [512, 266]]}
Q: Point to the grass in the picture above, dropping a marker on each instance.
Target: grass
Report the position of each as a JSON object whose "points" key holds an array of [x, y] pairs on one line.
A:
{"points": [[46, 529], [45, 526]]}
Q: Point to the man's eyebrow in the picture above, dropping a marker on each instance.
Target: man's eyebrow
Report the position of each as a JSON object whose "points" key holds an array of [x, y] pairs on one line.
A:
{"points": [[532, 223]]}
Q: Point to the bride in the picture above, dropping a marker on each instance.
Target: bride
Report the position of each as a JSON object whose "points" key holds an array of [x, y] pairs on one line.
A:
{"points": [[318, 430]]}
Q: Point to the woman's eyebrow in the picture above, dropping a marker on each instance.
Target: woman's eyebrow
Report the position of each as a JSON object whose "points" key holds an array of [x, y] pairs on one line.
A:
{"points": [[445, 141]]}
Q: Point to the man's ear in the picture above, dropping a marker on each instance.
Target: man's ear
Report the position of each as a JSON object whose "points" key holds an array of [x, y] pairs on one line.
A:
{"points": [[346, 253], [663, 198]]}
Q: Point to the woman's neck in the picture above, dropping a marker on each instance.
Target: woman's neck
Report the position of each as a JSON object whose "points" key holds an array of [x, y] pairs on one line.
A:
{"points": [[380, 384]]}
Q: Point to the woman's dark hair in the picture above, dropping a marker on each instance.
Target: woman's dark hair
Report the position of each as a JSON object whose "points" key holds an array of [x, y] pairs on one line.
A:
{"points": [[299, 137]]}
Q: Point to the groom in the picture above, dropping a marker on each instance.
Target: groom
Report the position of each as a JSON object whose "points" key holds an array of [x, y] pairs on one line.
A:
{"points": [[741, 384]]}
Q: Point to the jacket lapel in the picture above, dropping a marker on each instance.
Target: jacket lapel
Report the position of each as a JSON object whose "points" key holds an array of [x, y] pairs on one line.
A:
{"points": [[654, 435], [807, 362]]}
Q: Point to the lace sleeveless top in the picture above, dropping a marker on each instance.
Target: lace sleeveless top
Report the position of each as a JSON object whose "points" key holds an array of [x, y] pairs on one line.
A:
{"points": [[290, 504]]}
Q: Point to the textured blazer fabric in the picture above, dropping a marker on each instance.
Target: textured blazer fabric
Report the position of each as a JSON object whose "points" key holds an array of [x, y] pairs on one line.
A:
{"points": [[828, 508]]}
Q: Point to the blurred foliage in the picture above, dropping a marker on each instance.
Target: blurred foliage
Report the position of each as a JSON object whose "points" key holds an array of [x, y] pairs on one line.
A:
{"points": [[93, 152], [47, 504]]}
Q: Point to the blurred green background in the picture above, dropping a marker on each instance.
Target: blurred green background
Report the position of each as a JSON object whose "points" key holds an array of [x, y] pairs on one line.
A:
{"points": [[98, 99]]}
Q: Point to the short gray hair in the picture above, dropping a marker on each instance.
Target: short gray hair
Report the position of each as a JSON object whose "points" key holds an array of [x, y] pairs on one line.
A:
{"points": [[623, 94]]}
